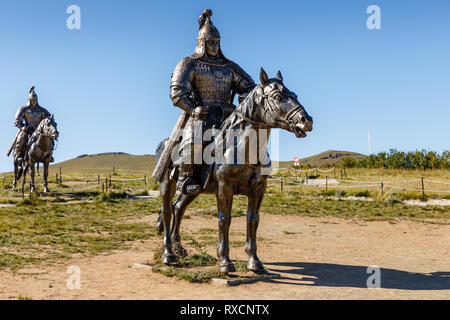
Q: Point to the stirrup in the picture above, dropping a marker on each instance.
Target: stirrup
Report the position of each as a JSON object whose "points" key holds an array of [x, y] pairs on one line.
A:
{"points": [[188, 186]]}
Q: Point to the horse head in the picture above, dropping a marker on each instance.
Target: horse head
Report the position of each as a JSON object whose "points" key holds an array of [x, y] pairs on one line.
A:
{"points": [[279, 107], [48, 127]]}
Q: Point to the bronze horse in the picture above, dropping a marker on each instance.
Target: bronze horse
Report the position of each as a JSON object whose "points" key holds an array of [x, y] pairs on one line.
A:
{"points": [[269, 105], [40, 150]]}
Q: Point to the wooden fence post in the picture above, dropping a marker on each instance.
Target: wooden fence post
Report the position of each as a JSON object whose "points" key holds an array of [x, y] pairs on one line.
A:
{"points": [[382, 191], [98, 179], [106, 184], [60, 176], [145, 182], [110, 181], [281, 185], [56, 178], [326, 183], [423, 190], [103, 188]]}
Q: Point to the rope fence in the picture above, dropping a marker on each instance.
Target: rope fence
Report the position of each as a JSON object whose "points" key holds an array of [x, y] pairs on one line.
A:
{"points": [[383, 185], [105, 181]]}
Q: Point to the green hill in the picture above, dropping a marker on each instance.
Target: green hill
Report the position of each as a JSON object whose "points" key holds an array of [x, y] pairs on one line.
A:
{"points": [[103, 164], [330, 157], [124, 163]]}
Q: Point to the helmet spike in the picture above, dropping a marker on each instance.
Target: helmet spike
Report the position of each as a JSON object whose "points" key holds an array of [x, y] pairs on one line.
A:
{"points": [[207, 13]]}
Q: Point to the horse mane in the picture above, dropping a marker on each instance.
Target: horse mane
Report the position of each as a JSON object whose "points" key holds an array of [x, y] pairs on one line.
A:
{"points": [[243, 113], [34, 136], [246, 110]]}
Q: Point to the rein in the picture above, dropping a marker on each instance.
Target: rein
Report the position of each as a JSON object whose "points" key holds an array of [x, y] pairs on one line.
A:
{"points": [[38, 133], [268, 108]]}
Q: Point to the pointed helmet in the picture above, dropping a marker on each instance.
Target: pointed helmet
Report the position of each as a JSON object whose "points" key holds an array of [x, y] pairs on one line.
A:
{"points": [[207, 31], [32, 95]]}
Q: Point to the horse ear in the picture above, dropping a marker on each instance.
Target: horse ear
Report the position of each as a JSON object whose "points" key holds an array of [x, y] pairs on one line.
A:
{"points": [[263, 77], [52, 116], [279, 76]]}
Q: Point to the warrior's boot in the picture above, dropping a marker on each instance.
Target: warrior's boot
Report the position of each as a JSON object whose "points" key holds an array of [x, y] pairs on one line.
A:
{"points": [[186, 183]]}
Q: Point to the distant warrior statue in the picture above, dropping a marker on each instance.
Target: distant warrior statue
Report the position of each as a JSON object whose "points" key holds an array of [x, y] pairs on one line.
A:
{"points": [[28, 119], [203, 86]]}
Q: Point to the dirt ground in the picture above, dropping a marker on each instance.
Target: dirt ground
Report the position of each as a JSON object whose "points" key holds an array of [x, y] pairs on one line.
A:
{"points": [[318, 258]]}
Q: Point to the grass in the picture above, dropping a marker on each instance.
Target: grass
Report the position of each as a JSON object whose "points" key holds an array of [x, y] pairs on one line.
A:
{"points": [[191, 268], [48, 229], [40, 232], [296, 203], [200, 267]]}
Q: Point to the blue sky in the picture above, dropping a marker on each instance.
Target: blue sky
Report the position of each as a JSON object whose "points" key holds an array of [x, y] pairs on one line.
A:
{"points": [[108, 83]]}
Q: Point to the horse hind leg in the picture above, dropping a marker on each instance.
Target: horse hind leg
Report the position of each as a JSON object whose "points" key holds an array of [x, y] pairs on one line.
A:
{"points": [[178, 211], [167, 186], [224, 204]]}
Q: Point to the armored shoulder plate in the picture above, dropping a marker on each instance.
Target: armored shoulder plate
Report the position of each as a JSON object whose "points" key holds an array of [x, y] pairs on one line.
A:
{"points": [[181, 73], [45, 111], [240, 71]]}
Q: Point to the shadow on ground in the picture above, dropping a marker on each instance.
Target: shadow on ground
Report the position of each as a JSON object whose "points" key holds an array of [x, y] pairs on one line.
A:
{"points": [[336, 275]]}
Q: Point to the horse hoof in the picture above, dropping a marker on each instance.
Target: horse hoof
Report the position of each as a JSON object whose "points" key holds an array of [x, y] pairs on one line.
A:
{"points": [[255, 266], [227, 267], [169, 258], [180, 251], [46, 190]]}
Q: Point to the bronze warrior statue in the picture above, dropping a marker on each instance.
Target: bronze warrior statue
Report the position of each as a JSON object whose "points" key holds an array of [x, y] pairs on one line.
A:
{"points": [[32, 120], [203, 85]]}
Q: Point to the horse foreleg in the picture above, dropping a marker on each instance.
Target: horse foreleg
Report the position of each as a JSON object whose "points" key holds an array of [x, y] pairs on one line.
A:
{"points": [[24, 173], [224, 204], [254, 204], [32, 173], [166, 213], [178, 211], [46, 177], [16, 174]]}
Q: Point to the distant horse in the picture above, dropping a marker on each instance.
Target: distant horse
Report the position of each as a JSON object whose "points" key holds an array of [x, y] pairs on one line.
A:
{"points": [[268, 105], [40, 150]]}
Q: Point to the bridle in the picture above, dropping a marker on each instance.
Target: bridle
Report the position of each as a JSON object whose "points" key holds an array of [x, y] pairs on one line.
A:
{"points": [[44, 134], [269, 108], [287, 118]]}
